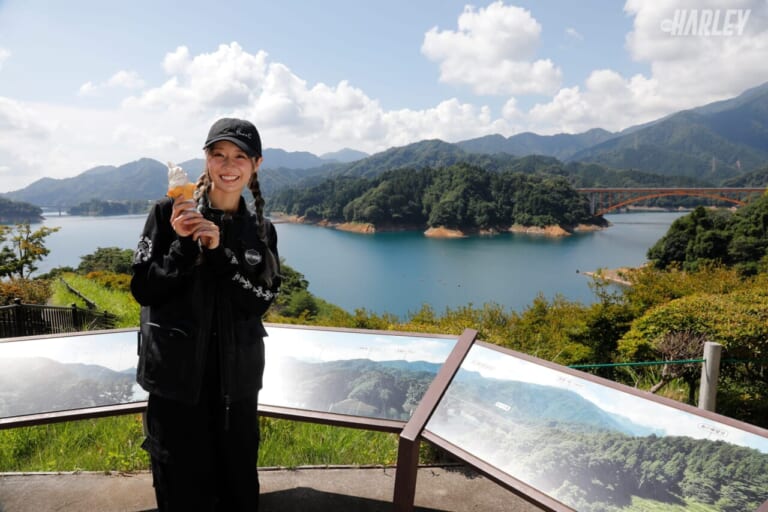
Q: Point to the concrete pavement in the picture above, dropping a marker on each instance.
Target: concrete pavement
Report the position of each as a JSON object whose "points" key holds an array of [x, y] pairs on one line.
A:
{"points": [[337, 489]]}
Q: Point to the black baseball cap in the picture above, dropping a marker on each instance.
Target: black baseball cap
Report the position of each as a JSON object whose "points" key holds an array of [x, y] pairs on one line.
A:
{"points": [[237, 131]]}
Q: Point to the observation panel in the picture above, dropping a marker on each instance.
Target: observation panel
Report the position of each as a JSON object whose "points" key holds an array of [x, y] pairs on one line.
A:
{"points": [[367, 379], [573, 441]]}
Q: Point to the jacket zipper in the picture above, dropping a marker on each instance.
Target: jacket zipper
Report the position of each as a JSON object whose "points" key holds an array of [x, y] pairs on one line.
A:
{"points": [[225, 225]]}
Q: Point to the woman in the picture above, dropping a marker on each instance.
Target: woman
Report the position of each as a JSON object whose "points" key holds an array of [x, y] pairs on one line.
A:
{"points": [[205, 272]]}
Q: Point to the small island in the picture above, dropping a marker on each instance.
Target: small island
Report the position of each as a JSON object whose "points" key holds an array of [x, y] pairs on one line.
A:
{"points": [[97, 208], [14, 212], [452, 202]]}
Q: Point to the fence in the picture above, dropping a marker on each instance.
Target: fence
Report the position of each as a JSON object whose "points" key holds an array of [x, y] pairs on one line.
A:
{"points": [[20, 319]]}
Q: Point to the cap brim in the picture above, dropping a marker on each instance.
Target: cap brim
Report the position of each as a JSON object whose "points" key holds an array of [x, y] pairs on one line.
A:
{"points": [[242, 145]]}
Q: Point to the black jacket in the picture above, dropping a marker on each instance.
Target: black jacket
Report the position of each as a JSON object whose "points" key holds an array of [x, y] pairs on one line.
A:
{"points": [[188, 293]]}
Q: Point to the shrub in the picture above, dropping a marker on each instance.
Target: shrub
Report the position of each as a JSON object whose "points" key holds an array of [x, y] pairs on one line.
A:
{"points": [[30, 291]]}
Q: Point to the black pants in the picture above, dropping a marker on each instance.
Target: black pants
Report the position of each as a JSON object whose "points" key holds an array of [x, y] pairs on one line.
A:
{"points": [[197, 464]]}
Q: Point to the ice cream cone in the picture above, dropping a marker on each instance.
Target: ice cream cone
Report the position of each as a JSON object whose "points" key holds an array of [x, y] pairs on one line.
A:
{"points": [[179, 184]]}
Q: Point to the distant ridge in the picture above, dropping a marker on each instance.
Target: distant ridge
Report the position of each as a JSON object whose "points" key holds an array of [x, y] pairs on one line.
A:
{"points": [[561, 146], [345, 155]]}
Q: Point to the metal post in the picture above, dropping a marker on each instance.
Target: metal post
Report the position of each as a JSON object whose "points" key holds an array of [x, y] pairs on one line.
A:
{"points": [[410, 437], [710, 372]]}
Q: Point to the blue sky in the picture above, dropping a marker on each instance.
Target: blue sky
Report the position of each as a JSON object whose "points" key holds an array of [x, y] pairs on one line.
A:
{"points": [[86, 83]]}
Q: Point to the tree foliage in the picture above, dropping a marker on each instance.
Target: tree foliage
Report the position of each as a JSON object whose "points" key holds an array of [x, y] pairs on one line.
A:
{"points": [[97, 207], [461, 196], [110, 259], [738, 239], [22, 248]]}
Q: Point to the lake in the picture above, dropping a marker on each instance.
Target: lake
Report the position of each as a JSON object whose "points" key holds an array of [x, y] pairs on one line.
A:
{"points": [[398, 272]]}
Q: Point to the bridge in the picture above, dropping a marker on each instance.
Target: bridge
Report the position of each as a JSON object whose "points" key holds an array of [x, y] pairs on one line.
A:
{"points": [[605, 200]]}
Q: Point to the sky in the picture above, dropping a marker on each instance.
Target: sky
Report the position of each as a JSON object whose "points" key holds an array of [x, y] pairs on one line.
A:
{"points": [[85, 83]]}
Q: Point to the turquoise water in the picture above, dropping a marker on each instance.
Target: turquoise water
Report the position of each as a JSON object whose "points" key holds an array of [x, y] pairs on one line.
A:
{"points": [[398, 272]]}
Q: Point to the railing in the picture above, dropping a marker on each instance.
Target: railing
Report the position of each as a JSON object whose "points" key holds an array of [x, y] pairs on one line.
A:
{"points": [[20, 319]]}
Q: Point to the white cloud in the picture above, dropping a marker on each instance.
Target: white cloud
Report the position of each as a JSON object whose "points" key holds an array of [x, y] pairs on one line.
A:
{"points": [[228, 78], [572, 33], [4, 55], [26, 138], [122, 79], [291, 113], [492, 51], [168, 121], [686, 71], [126, 79]]}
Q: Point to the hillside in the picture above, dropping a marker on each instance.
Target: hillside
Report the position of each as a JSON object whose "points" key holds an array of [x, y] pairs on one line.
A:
{"points": [[561, 146], [145, 179], [715, 142]]}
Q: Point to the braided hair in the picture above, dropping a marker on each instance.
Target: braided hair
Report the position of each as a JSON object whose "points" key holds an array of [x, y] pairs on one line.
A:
{"points": [[203, 187]]}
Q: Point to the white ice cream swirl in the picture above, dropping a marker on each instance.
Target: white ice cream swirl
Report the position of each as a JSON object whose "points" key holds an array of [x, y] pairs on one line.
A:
{"points": [[177, 176]]}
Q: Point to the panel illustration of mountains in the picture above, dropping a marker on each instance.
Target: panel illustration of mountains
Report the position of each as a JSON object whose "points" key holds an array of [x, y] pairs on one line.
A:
{"points": [[37, 384], [596, 448], [360, 374], [358, 387]]}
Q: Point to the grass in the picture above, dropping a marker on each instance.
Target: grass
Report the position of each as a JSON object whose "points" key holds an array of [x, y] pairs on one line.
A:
{"points": [[118, 302], [113, 444], [103, 444]]}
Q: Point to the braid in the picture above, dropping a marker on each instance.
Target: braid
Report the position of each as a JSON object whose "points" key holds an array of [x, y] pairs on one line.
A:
{"points": [[258, 204], [271, 266], [202, 185]]}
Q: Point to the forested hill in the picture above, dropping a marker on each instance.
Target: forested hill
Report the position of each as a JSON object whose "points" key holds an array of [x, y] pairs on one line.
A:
{"points": [[17, 211], [462, 196]]}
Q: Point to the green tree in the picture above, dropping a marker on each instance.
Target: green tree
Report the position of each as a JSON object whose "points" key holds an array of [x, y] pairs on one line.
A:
{"points": [[110, 259], [25, 248]]}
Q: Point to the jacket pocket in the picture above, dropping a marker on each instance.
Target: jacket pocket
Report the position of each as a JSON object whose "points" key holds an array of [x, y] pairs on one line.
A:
{"points": [[168, 358]]}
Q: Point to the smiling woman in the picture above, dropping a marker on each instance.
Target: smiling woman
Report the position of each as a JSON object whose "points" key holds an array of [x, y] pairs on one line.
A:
{"points": [[205, 272]]}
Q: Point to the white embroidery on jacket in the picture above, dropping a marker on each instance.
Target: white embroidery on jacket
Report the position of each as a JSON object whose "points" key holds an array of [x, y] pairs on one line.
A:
{"points": [[143, 250], [257, 290]]}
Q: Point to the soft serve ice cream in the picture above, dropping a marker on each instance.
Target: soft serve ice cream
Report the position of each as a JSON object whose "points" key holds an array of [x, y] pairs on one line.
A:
{"points": [[178, 183]]}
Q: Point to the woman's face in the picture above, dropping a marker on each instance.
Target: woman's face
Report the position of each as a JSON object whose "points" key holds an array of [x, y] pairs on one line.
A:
{"points": [[229, 167]]}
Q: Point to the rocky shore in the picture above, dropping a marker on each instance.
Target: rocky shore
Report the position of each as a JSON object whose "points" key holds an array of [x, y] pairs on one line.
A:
{"points": [[434, 232]]}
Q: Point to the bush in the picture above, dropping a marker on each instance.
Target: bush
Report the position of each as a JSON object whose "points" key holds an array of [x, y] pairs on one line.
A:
{"points": [[30, 291], [111, 280]]}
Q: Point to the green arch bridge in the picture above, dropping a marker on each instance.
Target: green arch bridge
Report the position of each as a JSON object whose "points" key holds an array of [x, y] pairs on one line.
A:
{"points": [[604, 200]]}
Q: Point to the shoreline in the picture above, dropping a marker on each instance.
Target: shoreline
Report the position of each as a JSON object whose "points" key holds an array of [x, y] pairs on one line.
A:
{"points": [[367, 228], [615, 275]]}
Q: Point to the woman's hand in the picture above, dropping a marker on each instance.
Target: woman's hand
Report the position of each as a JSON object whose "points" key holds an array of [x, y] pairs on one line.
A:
{"points": [[187, 221]]}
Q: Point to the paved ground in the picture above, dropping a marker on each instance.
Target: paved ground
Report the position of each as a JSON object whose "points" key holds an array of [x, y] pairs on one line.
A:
{"points": [[303, 489]]}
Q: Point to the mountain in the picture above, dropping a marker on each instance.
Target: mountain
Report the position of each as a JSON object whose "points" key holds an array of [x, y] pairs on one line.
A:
{"points": [[345, 155], [424, 154], [560, 146], [715, 142], [137, 180], [147, 179], [279, 158]]}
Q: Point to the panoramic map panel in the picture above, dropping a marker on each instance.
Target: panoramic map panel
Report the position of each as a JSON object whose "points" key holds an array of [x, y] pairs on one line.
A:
{"points": [[361, 374], [596, 448], [68, 372]]}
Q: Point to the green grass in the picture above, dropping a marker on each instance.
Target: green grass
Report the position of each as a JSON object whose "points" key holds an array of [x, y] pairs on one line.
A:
{"points": [[118, 302], [292, 443], [113, 444], [103, 444]]}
